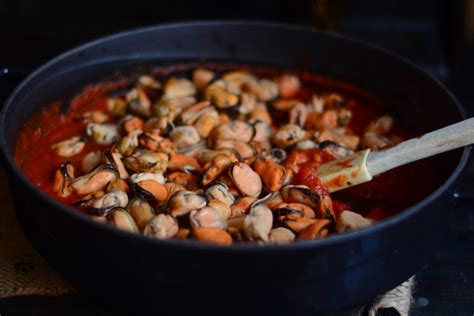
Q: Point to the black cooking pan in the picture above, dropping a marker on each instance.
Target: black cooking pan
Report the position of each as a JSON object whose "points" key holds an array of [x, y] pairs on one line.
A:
{"points": [[178, 277]]}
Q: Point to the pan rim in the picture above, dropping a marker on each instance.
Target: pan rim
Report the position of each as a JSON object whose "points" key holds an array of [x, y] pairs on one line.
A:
{"points": [[332, 240]]}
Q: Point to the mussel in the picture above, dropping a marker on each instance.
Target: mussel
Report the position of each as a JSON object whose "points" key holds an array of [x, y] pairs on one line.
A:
{"points": [[201, 77], [288, 135], [178, 88], [258, 223], [207, 217], [244, 149], [321, 203], [214, 168], [281, 235], [104, 204], [95, 180], [264, 89], [63, 179], [150, 190], [289, 85], [114, 158], [104, 134], [220, 191], [127, 144], [90, 161], [274, 175], [147, 161], [235, 130], [69, 147], [141, 211], [183, 202], [319, 229], [219, 96], [138, 102], [348, 221], [162, 226], [245, 179], [184, 136], [120, 218]]}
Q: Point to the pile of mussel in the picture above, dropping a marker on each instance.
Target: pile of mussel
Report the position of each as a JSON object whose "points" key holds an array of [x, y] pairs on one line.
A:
{"points": [[206, 158]]}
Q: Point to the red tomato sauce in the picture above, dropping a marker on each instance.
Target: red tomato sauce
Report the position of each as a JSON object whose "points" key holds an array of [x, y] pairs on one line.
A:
{"points": [[378, 199], [384, 196], [33, 148]]}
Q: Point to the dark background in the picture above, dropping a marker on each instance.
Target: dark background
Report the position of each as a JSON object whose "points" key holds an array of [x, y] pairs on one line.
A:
{"points": [[438, 35]]}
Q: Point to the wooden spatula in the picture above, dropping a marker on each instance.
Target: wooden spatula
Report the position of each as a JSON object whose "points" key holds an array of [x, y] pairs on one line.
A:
{"points": [[363, 165]]}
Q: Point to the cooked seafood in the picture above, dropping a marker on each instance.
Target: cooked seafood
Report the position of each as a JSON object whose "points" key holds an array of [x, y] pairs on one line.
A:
{"points": [[220, 157]]}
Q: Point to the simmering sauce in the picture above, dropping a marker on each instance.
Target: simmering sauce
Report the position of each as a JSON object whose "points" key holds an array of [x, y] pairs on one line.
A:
{"points": [[384, 196]]}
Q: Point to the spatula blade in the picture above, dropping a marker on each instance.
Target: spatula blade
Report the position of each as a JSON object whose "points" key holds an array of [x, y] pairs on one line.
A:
{"points": [[345, 172]]}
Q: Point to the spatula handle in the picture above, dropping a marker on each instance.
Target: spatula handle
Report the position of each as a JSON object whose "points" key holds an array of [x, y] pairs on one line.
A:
{"points": [[430, 144]]}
